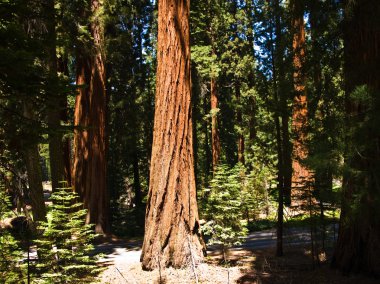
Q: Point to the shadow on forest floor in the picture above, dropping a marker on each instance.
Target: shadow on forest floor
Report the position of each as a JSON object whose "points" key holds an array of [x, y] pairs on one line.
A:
{"points": [[257, 264], [296, 266]]}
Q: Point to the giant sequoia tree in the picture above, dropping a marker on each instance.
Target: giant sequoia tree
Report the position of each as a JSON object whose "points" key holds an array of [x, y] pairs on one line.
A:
{"points": [[358, 246], [90, 119], [299, 121], [172, 235]]}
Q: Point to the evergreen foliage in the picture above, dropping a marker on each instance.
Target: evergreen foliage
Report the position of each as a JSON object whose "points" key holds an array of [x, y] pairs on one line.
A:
{"points": [[243, 48], [65, 245], [223, 208], [11, 268]]}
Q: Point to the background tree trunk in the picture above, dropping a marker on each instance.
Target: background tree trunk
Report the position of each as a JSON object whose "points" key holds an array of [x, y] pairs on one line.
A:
{"points": [[358, 246], [251, 80], [281, 117], [239, 121], [33, 168], [299, 122], [172, 233], [54, 104], [62, 67], [215, 139], [90, 137]]}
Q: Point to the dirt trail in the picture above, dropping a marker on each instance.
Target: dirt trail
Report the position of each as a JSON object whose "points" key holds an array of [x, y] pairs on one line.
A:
{"points": [[251, 262]]}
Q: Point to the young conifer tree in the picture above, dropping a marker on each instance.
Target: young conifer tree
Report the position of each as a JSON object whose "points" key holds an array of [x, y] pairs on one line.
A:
{"points": [[65, 244], [10, 251], [223, 210]]}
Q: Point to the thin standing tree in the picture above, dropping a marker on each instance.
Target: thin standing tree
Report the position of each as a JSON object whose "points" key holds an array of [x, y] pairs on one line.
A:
{"points": [[55, 102]]}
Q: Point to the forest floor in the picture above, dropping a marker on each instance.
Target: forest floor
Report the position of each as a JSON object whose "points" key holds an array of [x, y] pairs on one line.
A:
{"points": [[252, 262]]}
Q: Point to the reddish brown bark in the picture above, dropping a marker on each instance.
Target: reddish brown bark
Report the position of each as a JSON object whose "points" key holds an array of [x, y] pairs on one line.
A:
{"points": [[172, 236], [358, 248], [215, 139], [89, 171], [300, 172]]}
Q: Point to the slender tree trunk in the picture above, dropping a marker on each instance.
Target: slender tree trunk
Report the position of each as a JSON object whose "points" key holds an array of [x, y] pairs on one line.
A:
{"points": [[215, 139], [135, 150], [135, 125], [280, 186], [301, 174], [208, 154], [54, 103], [287, 155], [172, 231], [282, 101], [316, 32], [277, 63], [33, 168], [90, 137], [194, 104], [280, 219], [66, 142], [282, 126], [251, 82], [239, 121], [358, 248], [136, 179]]}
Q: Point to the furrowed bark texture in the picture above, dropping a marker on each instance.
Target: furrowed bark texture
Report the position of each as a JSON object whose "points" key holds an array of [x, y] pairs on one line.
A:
{"points": [[90, 137], [358, 246], [171, 222], [300, 173]]}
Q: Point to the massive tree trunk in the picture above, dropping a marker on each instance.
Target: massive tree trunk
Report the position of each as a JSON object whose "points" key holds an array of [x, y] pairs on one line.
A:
{"points": [[300, 173], [358, 246], [215, 139], [172, 231], [90, 137]]}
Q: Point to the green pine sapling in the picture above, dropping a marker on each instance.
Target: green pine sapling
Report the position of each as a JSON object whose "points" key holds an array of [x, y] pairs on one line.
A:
{"points": [[223, 208], [65, 245]]}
